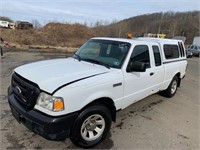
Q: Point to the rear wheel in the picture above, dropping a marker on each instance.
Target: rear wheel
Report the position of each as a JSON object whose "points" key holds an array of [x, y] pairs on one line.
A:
{"points": [[91, 126], [171, 90]]}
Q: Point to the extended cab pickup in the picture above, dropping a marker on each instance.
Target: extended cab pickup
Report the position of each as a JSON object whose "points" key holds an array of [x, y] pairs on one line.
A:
{"points": [[78, 97]]}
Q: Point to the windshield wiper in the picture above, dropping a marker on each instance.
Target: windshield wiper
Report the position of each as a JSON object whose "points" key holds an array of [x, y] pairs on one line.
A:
{"points": [[97, 62], [79, 58]]}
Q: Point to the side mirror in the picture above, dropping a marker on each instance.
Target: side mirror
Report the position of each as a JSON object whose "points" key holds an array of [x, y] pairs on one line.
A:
{"points": [[137, 67]]}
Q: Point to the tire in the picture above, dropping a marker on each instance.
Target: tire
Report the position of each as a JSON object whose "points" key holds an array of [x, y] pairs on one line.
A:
{"points": [[91, 126], [172, 88]]}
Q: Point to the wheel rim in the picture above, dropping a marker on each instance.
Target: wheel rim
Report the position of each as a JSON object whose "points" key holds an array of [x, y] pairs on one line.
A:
{"points": [[93, 127], [174, 87]]}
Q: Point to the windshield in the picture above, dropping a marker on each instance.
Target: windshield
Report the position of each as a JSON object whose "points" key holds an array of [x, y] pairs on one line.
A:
{"points": [[103, 52]]}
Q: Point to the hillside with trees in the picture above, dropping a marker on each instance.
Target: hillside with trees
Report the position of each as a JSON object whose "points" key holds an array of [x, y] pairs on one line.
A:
{"points": [[170, 23], [73, 35]]}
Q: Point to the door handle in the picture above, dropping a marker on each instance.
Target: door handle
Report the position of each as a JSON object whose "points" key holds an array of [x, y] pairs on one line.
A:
{"points": [[152, 73]]}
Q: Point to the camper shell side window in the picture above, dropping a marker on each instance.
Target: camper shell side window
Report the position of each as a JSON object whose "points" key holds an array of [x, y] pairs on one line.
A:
{"points": [[171, 51]]}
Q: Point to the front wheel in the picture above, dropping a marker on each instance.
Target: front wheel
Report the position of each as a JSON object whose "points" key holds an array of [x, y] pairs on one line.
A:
{"points": [[172, 88], [91, 126]]}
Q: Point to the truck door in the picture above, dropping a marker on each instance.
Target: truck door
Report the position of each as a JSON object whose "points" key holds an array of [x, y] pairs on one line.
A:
{"points": [[140, 84], [158, 74]]}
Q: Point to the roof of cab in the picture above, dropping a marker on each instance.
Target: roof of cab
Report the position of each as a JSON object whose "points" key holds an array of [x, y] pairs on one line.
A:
{"points": [[132, 41], [114, 39]]}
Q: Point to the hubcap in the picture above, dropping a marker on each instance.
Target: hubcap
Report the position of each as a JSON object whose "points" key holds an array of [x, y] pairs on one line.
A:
{"points": [[93, 127], [174, 87]]}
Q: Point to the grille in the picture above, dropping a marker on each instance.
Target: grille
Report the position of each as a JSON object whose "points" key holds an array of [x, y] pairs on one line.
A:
{"points": [[25, 91]]}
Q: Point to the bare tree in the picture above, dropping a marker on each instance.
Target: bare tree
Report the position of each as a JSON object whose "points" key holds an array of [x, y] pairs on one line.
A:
{"points": [[36, 24]]}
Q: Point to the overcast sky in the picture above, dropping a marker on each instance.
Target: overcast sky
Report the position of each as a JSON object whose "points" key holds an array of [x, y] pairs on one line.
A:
{"points": [[88, 11]]}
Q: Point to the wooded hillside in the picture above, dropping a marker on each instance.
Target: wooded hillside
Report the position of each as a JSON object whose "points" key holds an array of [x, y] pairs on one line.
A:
{"points": [[170, 23], [73, 35]]}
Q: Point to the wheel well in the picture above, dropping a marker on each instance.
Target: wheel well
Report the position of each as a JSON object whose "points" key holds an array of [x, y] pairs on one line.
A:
{"points": [[179, 78], [108, 103]]}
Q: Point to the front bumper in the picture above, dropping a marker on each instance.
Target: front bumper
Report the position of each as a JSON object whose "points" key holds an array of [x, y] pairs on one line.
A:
{"points": [[49, 127]]}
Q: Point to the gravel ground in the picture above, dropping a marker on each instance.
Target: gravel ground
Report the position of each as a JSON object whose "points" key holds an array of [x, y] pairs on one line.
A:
{"points": [[155, 122]]}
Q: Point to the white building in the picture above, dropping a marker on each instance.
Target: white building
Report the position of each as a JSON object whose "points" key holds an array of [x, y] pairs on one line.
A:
{"points": [[4, 24]]}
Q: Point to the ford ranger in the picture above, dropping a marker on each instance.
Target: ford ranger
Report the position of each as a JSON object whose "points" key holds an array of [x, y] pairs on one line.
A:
{"points": [[78, 97]]}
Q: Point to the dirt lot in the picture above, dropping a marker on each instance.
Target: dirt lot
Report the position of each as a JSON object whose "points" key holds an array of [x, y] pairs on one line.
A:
{"points": [[153, 123]]}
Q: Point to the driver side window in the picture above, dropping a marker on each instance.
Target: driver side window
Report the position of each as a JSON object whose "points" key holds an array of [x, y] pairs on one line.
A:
{"points": [[141, 54]]}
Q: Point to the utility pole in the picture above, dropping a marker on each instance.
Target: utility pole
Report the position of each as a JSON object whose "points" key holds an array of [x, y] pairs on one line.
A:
{"points": [[174, 28], [161, 17], [159, 29]]}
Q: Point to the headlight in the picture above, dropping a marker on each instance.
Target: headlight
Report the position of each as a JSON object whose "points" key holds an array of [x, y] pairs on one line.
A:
{"points": [[50, 102]]}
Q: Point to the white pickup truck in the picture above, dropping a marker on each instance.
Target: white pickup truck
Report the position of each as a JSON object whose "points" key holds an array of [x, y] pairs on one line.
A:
{"points": [[78, 97]]}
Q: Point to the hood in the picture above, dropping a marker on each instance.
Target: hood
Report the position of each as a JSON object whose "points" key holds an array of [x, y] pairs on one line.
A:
{"points": [[49, 75]]}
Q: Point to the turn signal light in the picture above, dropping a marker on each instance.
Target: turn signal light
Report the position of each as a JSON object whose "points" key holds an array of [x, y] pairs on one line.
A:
{"points": [[58, 105]]}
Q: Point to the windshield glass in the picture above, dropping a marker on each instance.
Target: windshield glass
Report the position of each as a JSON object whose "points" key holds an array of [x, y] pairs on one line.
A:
{"points": [[103, 52]]}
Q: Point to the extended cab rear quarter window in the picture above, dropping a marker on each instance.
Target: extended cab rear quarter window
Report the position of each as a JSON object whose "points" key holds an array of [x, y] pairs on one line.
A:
{"points": [[156, 52], [171, 51]]}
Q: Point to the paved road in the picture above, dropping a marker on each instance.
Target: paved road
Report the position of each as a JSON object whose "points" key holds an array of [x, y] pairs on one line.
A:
{"points": [[155, 122]]}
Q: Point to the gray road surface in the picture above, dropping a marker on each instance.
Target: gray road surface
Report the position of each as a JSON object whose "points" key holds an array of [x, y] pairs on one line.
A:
{"points": [[155, 122]]}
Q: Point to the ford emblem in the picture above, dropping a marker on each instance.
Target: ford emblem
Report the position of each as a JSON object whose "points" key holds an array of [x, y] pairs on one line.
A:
{"points": [[18, 90]]}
